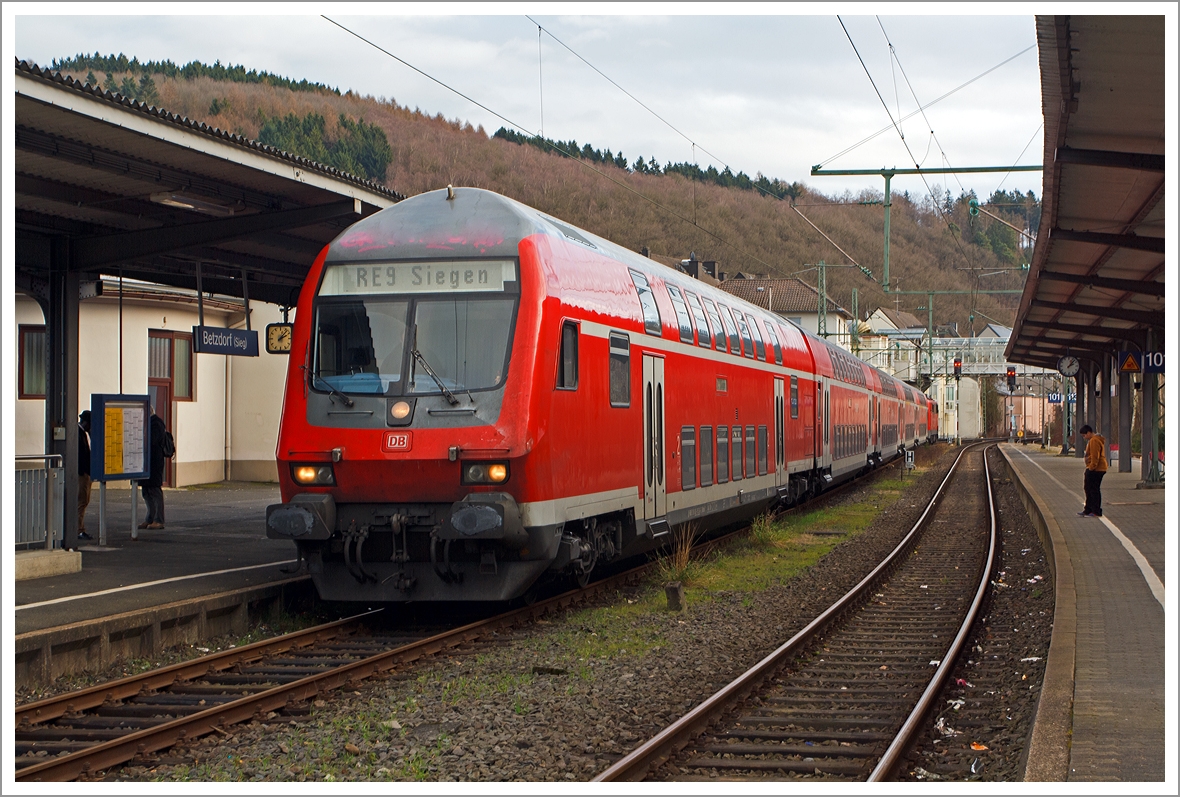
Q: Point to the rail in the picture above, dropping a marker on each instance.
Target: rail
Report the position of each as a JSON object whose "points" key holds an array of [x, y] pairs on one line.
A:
{"points": [[647, 756], [49, 490]]}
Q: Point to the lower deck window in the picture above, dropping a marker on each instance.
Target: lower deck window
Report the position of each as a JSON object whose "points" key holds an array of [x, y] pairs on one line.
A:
{"points": [[706, 456], [722, 454], [688, 457], [750, 452], [762, 453]]}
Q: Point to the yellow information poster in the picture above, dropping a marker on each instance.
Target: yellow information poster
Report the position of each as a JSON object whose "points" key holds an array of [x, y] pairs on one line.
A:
{"points": [[124, 438]]}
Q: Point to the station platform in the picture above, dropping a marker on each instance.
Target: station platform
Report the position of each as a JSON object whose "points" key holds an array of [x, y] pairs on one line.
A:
{"points": [[1102, 708], [208, 571]]}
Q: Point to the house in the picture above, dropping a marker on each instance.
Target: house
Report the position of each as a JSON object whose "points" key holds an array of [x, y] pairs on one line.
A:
{"points": [[223, 411]]}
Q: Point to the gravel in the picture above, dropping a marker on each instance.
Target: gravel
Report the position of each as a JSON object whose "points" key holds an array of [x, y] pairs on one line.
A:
{"points": [[559, 700], [986, 710]]}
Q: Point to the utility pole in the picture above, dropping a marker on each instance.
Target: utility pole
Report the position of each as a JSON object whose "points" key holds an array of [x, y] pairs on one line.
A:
{"points": [[855, 323], [822, 321], [888, 174]]}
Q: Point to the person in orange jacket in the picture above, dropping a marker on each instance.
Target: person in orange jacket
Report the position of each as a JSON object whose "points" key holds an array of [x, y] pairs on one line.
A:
{"points": [[1096, 466]]}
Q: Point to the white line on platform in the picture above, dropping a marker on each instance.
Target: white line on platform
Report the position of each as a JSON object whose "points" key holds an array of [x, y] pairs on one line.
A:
{"points": [[151, 584], [1153, 581]]}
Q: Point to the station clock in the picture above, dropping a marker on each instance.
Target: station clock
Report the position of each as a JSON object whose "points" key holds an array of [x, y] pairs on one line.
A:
{"points": [[1068, 365], [278, 338]]}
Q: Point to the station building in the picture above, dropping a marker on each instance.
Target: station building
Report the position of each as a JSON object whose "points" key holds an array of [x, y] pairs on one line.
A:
{"points": [[223, 411]]}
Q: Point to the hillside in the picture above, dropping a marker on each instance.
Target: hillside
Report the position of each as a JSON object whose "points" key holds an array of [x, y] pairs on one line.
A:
{"points": [[740, 227]]}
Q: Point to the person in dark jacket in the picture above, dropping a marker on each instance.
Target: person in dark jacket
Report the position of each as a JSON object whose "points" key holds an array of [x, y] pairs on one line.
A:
{"points": [[83, 472], [152, 487]]}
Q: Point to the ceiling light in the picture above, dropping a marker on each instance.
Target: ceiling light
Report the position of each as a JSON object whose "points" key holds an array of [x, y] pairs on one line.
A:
{"points": [[187, 202]]}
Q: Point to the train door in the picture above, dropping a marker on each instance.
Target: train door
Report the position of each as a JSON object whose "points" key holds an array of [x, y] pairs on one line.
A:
{"points": [[654, 492], [780, 450]]}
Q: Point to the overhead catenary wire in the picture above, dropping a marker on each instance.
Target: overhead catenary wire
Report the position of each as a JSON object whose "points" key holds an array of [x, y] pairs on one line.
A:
{"points": [[930, 104], [934, 202], [573, 157], [645, 106]]}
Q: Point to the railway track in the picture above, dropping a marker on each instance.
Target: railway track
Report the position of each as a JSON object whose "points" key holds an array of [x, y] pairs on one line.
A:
{"points": [[844, 697], [82, 733]]}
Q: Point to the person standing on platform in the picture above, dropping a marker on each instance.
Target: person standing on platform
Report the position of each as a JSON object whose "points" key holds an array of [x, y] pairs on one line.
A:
{"points": [[83, 472], [1096, 466], [153, 486]]}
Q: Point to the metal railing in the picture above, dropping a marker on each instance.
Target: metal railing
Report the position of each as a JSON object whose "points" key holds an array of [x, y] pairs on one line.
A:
{"points": [[39, 500]]}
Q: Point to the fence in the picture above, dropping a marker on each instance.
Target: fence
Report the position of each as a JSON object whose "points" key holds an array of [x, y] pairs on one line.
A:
{"points": [[34, 504]]}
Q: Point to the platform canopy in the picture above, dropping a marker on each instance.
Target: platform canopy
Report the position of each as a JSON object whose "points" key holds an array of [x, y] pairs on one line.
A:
{"points": [[1096, 281], [105, 183]]}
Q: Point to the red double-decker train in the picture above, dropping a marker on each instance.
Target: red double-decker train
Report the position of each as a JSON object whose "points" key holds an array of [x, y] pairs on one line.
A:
{"points": [[481, 397]]}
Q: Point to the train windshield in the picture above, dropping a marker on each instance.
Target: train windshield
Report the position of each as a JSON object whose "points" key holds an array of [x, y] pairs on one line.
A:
{"points": [[458, 316]]}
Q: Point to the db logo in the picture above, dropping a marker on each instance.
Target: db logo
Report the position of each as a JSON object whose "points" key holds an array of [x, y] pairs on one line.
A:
{"points": [[397, 441]]}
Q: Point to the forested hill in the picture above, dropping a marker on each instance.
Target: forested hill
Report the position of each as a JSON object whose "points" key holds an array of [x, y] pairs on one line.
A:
{"points": [[747, 224]]}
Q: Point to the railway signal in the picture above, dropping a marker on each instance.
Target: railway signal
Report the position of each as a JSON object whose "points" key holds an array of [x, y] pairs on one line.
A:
{"points": [[958, 368], [1012, 378]]}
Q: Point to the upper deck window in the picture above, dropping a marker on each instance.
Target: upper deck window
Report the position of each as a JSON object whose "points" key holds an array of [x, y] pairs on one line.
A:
{"points": [[730, 329], [718, 330], [745, 330], [704, 339], [778, 352], [681, 314], [647, 300]]}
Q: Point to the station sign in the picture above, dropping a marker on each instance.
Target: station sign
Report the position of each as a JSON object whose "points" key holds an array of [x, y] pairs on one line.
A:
{"points": [[1148, 362], [216, 340], [1055, 398]]}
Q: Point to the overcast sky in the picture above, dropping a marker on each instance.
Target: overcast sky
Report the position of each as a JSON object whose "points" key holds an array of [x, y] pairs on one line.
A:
{"points": [[774, 94]]}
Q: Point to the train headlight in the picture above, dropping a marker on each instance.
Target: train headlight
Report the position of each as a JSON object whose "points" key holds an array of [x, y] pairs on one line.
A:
{"points": [[399, 411], [485, 473], [313, 474]]}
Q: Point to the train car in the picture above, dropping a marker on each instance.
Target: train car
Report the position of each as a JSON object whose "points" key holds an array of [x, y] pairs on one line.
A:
{"points": [[932, 421], [480, 397]]}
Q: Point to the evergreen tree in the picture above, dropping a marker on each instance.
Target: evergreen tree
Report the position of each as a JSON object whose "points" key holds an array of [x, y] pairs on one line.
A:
{"points": [[109, 84], [91, 79], [128, 87], [147, 90]]}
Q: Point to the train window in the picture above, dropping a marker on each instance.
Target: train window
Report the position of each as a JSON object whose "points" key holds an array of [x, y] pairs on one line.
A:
{"points": [[360, 345], [763, 443], [567, 367], [647, 301], [688, 457], [706, 456], [745, 330], [735, 454], [719, 340], [464, 340], [778, 352], [704, 339], [731, 330], [827, 414], [794, 397], [722, 454], [756, 330], [682, 318], [620, 370], [751, 453]]}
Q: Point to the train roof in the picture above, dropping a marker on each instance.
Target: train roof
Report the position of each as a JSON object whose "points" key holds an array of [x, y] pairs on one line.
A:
{"points": [[481, 223]]}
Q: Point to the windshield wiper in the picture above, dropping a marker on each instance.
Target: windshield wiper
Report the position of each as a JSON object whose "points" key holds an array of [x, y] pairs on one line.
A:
{"points": [[347, 401], [417, 355]]}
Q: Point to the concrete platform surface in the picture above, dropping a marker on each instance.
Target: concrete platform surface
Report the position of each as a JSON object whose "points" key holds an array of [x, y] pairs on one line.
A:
{"points": [[41, 564], [1111, 594], [214, 540]]}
